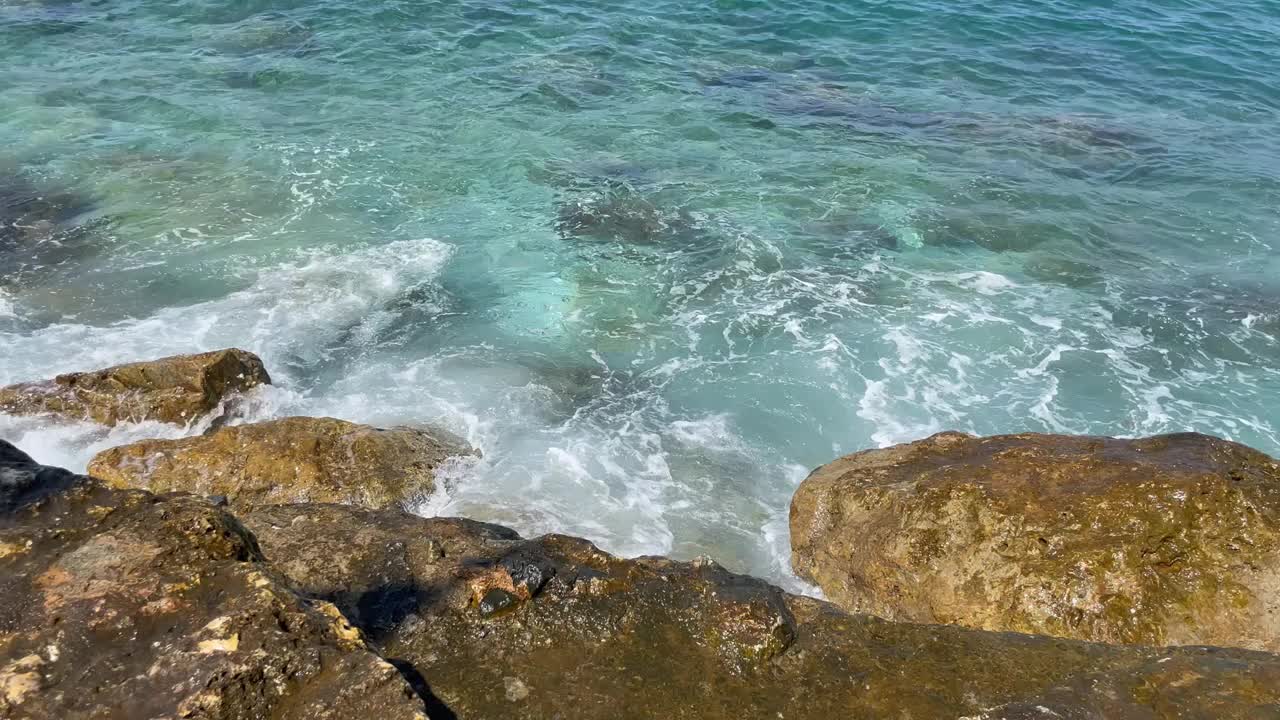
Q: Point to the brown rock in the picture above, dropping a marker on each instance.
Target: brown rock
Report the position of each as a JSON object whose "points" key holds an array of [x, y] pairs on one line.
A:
{"points": [[584, 635], [1163, 540], [128, 605], [297, 459], [174, 390]]}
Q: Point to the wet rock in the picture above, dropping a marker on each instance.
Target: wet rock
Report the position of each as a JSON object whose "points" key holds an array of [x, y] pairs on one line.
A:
{"points": [[123, 604], [297, 459], [176, 389], [693, 640], [377, 566], [495, 601], [24, 481], [1164, 540], [528, 575]]}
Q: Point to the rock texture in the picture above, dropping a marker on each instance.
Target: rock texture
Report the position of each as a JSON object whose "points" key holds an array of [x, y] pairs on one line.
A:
{"points": [[492, 626], [174, 390], [120, 604], [1163, 540], [298, 459]]}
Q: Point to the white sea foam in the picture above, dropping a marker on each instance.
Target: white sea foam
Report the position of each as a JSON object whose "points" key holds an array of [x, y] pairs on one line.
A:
{"points": [[1052, 323], [73, 444], [292, 311]]}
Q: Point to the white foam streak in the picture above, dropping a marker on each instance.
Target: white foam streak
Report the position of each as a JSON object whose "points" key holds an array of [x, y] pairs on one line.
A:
{"points": [[291, 311]]}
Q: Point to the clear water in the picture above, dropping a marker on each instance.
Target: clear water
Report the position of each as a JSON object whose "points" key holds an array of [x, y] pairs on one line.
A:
{"points": [[657, 259]]}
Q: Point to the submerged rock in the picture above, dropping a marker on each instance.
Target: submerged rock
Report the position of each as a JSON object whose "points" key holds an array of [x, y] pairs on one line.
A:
{"points": [[621, 214], [41, 228], [297, 459], [176, 389], [121, 604], [1165, 540], [32, 21], [442, 596], [802, 100], [268, 33], [1069, 134]]}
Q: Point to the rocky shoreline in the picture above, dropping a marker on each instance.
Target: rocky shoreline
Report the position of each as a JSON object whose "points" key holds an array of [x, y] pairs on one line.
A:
{"points": [[268, 571]]}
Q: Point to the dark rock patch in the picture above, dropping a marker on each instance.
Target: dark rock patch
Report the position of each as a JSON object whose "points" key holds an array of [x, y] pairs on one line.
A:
{"points": [[41, 228], [24, 481]]}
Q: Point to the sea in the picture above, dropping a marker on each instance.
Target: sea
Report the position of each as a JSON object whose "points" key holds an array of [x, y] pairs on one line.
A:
{"points": [[656, 259]]}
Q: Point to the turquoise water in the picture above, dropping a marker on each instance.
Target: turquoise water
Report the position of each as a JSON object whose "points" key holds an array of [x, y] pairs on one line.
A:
{"points": [[657, 259]]}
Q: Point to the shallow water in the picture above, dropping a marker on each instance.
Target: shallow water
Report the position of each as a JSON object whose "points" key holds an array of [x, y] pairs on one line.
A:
{"points": [[656, 259]]}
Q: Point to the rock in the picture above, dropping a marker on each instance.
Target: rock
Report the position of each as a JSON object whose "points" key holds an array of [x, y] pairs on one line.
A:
{"points": [[1164, 540], [495, 601], [176, 389], [618, 213], [121, 604], [22, 480], [604, 637], [374, 565], [297, 459]]}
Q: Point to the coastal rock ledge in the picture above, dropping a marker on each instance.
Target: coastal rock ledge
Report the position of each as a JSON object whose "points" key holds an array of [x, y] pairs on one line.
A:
{"points": [[1168, 540], [175, 390], [295, 459], [123, 604]]}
